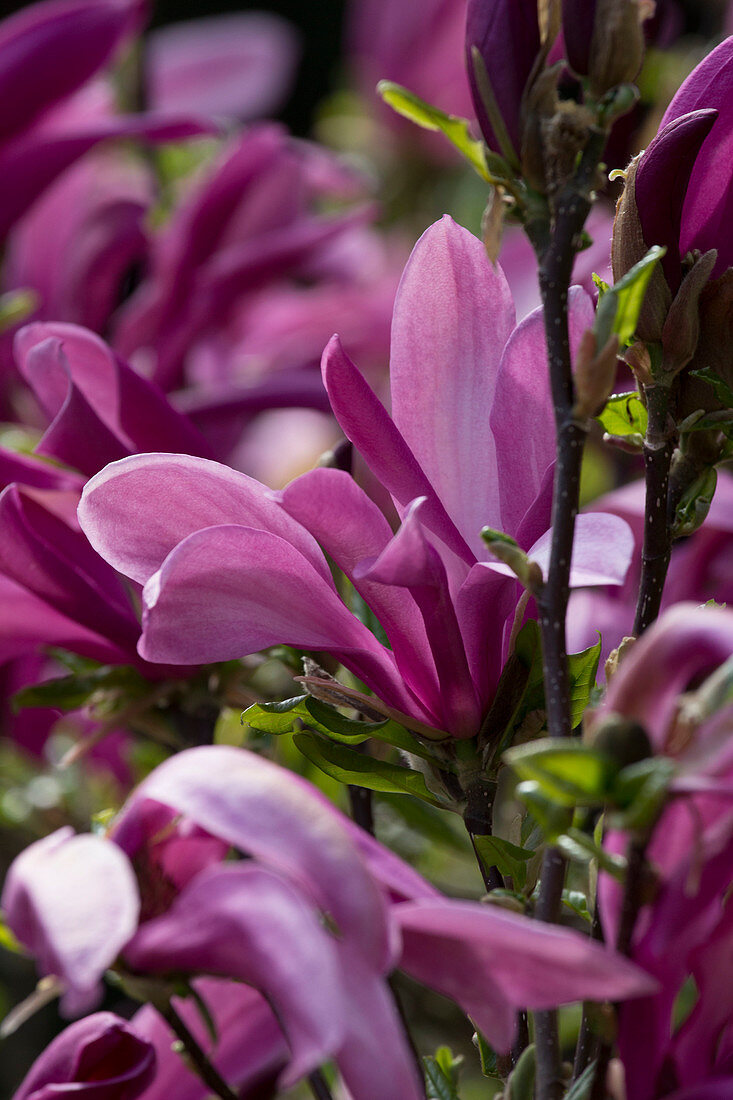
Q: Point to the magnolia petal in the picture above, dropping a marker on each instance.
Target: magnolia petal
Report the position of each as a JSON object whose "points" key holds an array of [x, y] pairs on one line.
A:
{"points": [[281, 820], [243, 921], [452, 317], [73, 902], [101, 1057], [365, 422], [493, 962], [137, 510], [523, 409], [350, 528], [250, 1047]]}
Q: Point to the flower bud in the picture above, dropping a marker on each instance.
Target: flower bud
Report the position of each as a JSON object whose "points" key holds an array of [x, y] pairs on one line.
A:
{"points": [[604, 40], [595, 374]]}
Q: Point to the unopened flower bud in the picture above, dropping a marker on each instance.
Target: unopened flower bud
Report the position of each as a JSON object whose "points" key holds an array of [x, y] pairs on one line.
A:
{"points": [[617, 45], [623, 739], [681, 328]]}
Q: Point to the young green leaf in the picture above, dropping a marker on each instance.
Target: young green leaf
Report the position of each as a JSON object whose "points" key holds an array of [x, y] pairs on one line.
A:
{"points": [[582, 668], [509, 859], [457, 130], [619, 308], [624, 415], [569, 772], [437, 1085]]}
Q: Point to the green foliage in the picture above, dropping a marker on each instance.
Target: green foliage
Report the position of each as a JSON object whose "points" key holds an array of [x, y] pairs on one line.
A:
{"points": [[509, 859], [695, 504], [620, 305], [569, 772], [349, 766], [625, 415], [441, 1075], [457, 130], [722, 390], [79, 689], [16, 306], [305, 712], [582, 668], [520, 1085], [486, 1055]]}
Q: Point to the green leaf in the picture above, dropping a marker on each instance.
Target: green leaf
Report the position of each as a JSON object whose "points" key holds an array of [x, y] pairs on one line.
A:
{"points": [[695, 504], [577, 902], [581, 1089], [520, 1085], [640, 792], [552, 819], [509, 859], [569, 772], [486, 1054], [437, 1085], [75, 691], [577, 845], [307, 712], [619, 308], [349, 766], [722, 390], [582, 668], [624, 415], [457, 130]]}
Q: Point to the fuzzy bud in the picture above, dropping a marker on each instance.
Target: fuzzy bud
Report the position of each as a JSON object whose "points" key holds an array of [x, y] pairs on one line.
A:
{"points": [[595, 374]]}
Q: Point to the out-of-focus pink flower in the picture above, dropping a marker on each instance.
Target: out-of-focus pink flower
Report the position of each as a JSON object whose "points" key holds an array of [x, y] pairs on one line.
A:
{"points": [[218, 551], [99, 1058], [685, 931], [701, 569], [261, 920], [236, 66]]}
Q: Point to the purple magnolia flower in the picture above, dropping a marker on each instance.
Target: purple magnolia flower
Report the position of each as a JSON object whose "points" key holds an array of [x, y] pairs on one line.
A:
{"points": [[228, 569], [700, 569], [685, 929], [48, 53], [158, 893], [237, 66], [249, 224], [56, 590], [99, 1058]]}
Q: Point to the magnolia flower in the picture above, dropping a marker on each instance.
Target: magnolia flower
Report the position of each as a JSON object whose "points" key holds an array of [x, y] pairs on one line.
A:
{"points": [[157, 898], [48, 52], [228, 569], [685, 929], [99, 1058]]}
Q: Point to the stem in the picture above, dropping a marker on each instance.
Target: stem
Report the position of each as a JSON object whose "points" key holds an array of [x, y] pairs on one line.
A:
{"points": [[570, 212], [547, 1041], [587, 1045], [633, 897], [655, 555], [362, 809], [206, 1071], [318, 1085]]}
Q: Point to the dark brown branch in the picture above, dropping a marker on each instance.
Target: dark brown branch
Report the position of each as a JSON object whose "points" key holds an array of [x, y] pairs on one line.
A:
{"points": [[655, 555], [203, 1067]]}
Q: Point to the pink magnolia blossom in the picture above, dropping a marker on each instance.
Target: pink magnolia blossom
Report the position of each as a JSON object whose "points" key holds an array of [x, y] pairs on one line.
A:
{"points": [[685, 929], [99, 1058], [158, 893], [228, 569]]}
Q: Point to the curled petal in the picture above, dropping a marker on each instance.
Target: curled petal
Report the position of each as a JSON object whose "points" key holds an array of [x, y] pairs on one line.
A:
{"points": [[98, 1058], [73, 902]]}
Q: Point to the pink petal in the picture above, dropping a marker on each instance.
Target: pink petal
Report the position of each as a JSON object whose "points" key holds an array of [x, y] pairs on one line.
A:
{"points": [[242, 921], [73, 902], [137, 510], [280, 819], [452, 317]]}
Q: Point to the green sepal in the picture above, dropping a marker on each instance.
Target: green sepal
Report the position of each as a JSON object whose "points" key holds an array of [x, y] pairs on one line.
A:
{"points": [[619, 307], [457, 130], [625, 416], [509, 859], [348, 766]]}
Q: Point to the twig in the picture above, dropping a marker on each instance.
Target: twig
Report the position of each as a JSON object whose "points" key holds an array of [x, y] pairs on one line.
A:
{"points": [[318, 1086], [205, 1069], [655, 555]]}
